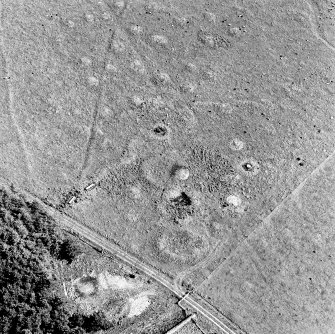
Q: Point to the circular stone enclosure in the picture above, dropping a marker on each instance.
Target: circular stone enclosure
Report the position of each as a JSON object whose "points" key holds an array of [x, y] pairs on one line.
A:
{"points": [[182, 246]]}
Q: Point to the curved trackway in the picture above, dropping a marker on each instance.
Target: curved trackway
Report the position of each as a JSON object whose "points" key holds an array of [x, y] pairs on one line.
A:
{"points": [[312, 16], [95, 239], [10, 98], [181, 276], [110, 247]]}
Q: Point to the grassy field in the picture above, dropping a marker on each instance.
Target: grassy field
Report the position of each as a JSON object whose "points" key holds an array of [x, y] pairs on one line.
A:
{"points": [[280, 278], [273, 99], [126, 94], [189, 329]]}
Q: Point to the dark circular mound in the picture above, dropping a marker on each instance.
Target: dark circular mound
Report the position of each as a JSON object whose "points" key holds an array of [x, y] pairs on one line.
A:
{"points": [[180, 207], [182, 200], [160, 131], [249, 167]]}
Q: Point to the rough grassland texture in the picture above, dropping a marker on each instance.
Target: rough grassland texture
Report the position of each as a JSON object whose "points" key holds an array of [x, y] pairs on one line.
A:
{"points": [[86, 82], [281, 280], [190, 328]]}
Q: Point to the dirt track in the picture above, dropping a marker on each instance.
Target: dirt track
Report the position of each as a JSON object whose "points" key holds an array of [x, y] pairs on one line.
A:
{"points": [[124, 93]]}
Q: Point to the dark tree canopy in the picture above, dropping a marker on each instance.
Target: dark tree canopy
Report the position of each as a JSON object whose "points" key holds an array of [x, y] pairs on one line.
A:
{"points": [[68, 251], [29, 242]]}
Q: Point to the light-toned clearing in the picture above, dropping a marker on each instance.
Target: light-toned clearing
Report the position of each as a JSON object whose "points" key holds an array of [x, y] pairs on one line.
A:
{"points": [[86, 61], [163, 78], [138, 66], [182, 174], [85, 288], [160, 39], [173, 192], [65, 291], [118, 46], [93, 81], [89, 304], [89, 17], [234, 200], [106, 16], [70, 24], [157, 101], [120, 4], [139, 303], [236, 144], [211, 17], [188, 87], [163, 243], [136, 191], [110, 67], [138, 101], [190, 67], [108, 281], [136, 29], [196, 196]]}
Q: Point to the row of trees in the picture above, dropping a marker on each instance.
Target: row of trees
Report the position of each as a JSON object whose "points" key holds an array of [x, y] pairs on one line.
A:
{"points": [[29, 244]]}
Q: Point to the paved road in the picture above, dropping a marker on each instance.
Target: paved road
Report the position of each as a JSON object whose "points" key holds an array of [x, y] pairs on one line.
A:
{"points": [[97, 240], [112, 248]]}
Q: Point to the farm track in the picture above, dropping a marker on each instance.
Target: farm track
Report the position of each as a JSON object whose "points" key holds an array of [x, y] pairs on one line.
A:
{"points": [[267, 219], [90, 142], [93, 129], [179, 279], [11, 98], [107, 246], [112, 248]]}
